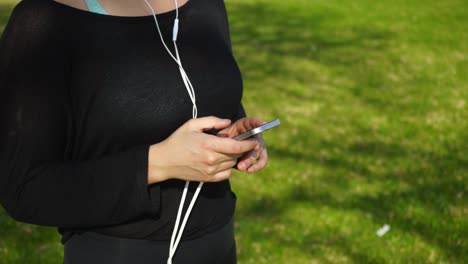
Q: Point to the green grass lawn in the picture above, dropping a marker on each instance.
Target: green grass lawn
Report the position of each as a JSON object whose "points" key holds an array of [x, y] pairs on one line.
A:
{"points": [[373, 99]]}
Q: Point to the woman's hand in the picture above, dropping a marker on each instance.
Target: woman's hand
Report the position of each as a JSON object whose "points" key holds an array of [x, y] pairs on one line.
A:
{"points": [[256, 159], [190, 154]]}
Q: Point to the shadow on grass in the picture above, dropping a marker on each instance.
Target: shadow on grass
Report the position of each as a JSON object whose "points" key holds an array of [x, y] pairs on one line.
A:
{"points": [[431, 188], [26, 243], [431, 181], [266, 36], [263, 29]]}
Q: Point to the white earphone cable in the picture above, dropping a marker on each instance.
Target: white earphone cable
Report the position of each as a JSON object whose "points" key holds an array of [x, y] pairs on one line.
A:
{"points": [[177, 232]]}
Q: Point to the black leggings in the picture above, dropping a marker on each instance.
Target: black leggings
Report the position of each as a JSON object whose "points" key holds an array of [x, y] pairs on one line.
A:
{"points": [[218, 247]]}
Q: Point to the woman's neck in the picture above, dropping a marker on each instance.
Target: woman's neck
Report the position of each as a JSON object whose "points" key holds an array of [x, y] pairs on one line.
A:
{"points": [[128, 7], [138, 7]]}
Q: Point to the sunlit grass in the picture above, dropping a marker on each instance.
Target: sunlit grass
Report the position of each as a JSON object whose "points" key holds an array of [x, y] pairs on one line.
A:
{"points": [[372, 96], [373, 102]]}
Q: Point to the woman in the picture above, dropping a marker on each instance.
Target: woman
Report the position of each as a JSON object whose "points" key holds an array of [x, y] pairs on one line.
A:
{"points": [[98, 136]]}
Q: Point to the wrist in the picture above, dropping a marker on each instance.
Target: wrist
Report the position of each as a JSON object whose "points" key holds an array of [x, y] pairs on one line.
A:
{"points": [[156, 172]]}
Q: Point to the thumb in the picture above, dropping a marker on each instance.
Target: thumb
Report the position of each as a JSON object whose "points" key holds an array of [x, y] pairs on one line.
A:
{"points": [[209, 122]]}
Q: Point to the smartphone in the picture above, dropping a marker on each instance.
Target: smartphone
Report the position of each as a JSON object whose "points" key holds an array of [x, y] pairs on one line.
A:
{"points": [[257, 130]]}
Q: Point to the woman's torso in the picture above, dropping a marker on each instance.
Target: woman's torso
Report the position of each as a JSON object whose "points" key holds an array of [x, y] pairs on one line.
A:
{"points": [[125, 90]]}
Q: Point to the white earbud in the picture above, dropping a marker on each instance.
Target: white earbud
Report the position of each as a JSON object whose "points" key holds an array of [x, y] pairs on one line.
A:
{"points": [[177, 232]]}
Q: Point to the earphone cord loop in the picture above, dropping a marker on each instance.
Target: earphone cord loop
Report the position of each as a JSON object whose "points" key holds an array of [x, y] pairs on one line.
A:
{"points": [[177, 232]]}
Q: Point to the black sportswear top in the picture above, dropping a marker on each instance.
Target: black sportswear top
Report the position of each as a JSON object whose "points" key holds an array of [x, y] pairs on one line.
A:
{"points": [[82, 98]]}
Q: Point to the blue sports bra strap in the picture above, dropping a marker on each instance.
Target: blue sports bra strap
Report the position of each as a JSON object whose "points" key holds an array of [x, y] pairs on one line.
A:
{"points": [[95, 7]]}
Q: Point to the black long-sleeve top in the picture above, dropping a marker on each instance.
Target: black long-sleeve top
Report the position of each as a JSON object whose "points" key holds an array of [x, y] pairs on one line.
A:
{"points": [[82, 98]]}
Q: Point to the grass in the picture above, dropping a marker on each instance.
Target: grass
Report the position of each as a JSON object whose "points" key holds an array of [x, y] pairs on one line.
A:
{"points": [[373, 97]]}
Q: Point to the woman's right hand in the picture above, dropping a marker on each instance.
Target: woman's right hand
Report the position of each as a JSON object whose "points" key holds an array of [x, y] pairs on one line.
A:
{"points": [[190, 154]]}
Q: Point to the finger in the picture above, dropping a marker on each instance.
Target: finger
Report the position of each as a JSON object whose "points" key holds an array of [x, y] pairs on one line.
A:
{"points": [[211, 172], [215, 159], [259, 140], [222, 175], [256, 121], [251, 157], [230, 146], [228, 131], [245, 124], [247, 160], [248, 124], [209, 122], [226, 165], [240, 126], [261, 163]]}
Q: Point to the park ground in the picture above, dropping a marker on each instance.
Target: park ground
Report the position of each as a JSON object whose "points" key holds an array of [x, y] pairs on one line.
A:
{"points": [[373, 100]]}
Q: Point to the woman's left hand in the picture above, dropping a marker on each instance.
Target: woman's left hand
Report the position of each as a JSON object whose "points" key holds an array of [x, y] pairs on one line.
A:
{"points": [[257, 159]]}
